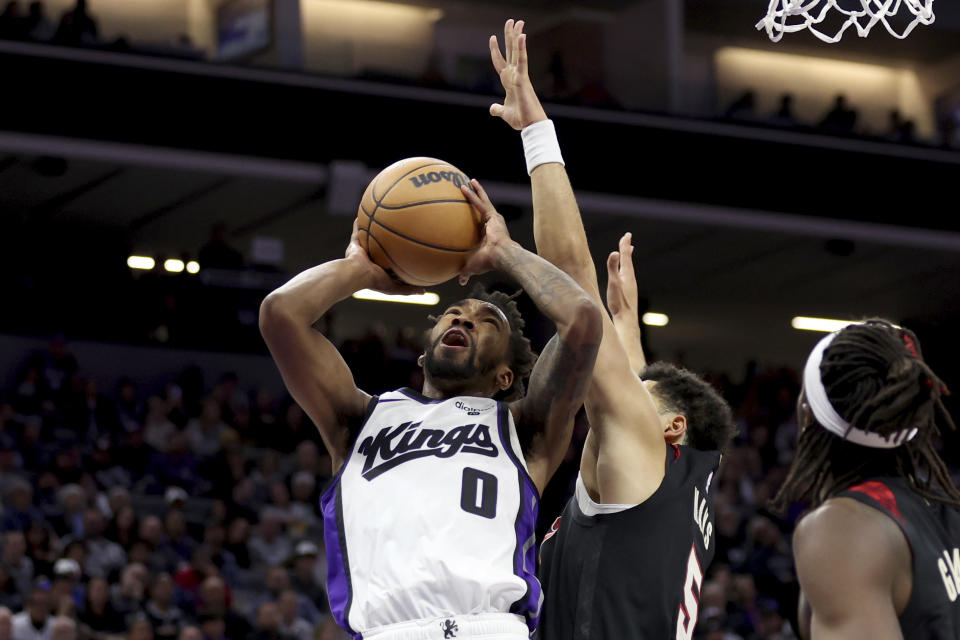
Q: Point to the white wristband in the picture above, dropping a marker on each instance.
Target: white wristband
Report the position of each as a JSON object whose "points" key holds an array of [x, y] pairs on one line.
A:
{"points": [[540, 144]]}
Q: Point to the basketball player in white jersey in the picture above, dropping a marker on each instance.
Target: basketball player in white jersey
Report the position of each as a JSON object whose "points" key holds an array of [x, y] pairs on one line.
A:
{"points": [[627, 556], [429, 522]]}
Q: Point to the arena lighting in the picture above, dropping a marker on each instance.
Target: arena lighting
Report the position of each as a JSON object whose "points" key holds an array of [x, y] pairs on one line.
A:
{"points": [[141, 262], [422, 298], [655, 319], [173, 265], [193, 267], [827, 325]]}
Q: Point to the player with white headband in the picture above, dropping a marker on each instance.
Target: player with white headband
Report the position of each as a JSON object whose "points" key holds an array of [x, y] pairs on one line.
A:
{"points": [[878, 555]]}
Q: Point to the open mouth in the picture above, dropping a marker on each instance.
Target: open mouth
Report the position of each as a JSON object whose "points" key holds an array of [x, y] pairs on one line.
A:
{"points": [[454, 338]]}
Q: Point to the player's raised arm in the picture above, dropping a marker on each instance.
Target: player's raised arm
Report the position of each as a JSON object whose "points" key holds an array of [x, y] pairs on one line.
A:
{"points": [[618, 404], [560, 378], [622, 301], [566, 246], [312, 368]]}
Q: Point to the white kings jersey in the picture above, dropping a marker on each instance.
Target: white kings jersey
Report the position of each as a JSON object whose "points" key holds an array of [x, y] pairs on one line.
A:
{"points": [[432, 516]]}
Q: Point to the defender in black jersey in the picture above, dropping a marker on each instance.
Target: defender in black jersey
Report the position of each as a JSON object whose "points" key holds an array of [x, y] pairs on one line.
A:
{"points": [[627, 557], [878, 556]]}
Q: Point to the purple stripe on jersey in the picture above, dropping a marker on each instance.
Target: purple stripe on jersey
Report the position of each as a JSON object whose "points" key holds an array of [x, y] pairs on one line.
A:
{"points": [[525, 551], [338, 565]]}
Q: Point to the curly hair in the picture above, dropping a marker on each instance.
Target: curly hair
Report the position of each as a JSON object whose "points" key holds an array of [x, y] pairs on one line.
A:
{"points": [[876, 379], [522, 355], [710, 425]]}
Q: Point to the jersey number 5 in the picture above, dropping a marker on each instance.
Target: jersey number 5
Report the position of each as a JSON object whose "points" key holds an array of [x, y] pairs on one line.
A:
{"points": [[478, 493], [687, 616]]}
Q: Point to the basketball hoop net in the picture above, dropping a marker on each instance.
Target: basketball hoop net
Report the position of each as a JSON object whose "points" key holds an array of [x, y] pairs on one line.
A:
{"points": [[789, 16]]}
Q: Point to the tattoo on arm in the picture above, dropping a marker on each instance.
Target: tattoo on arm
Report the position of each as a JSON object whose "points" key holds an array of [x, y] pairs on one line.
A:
{"points": [[557, 387], [552, 290]]}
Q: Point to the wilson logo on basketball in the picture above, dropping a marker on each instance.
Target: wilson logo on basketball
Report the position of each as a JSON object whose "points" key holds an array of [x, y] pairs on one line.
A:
{"points": [[392, 446], [439, 176]]}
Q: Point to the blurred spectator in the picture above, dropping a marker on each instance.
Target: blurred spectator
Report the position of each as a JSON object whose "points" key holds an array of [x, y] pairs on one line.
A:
{"points": [[76, 550], [213, 627], [214, 537], [35, 621], [59, 366], [41, 547], [176, 466], [303, 514], [140, 628], [263, 420], [66, 593], [77, 27], [10, 595], [784, 116], [129, 410], [268, 623], [63, 628], [165, 617], [270, 546], [157, 427], [206, 430], [123, 526], [238, 536], [190, 632], [295, 430], [73, 504], [217, 253], [97, 616], [901, 130], [152, 535], [309, 574], [39, 27], [179, 544], [15, 561], [214, 606], [104, 557], [841, 119], [278, 581], [19, 511], [127, 596], [266, 474], [291, 623], [744, 107]]}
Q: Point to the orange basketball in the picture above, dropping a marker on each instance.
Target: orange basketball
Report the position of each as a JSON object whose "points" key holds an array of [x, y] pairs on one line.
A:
{"points": [[415, 223]]}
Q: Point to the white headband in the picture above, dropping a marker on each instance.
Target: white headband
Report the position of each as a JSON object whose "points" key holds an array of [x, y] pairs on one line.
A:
{"points": [[828, 417]]}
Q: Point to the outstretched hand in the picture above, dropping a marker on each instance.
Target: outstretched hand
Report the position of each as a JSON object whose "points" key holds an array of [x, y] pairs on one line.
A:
{"points": [[495, 233], [622, 282], [520, 107], [376, 277]]}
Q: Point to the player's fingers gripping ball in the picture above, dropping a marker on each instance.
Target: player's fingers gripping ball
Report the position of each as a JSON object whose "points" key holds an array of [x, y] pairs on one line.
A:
{"points": [[415, 222]]}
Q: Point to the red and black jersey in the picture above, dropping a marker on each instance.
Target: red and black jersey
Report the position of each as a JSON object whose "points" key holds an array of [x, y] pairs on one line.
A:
{"points": [[932, 530], [636, 573]]}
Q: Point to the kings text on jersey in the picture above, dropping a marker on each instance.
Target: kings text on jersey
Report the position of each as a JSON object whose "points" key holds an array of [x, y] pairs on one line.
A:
{"points": [[392, 446]]}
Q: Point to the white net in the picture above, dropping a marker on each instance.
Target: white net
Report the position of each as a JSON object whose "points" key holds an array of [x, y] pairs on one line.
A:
{"points": [[789, 16]]}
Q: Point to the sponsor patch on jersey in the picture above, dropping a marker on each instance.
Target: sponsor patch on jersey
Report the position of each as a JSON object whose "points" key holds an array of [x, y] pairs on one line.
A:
{"points": [[392, 446], [474, 411]]}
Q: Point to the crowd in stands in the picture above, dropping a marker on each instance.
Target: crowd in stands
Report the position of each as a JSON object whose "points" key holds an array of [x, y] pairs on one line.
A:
{"points": [[191, 510], [841, 119], [78, 27]]}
